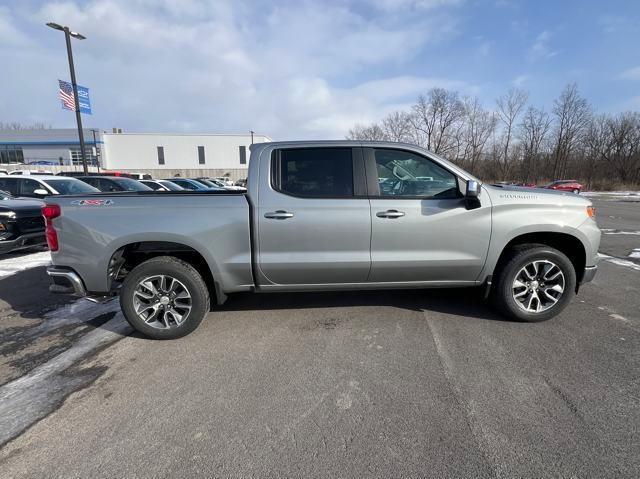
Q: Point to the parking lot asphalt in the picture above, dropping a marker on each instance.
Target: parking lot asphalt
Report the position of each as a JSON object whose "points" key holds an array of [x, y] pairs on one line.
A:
{"points": [[377, 384]]}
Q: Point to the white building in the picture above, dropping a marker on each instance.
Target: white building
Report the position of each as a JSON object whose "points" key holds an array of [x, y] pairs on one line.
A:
{"points": [[177, 152], [160, 154]]}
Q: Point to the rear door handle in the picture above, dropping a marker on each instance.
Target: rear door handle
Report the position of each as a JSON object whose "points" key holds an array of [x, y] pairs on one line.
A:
{"points": [[278, 215], [390, 214]]}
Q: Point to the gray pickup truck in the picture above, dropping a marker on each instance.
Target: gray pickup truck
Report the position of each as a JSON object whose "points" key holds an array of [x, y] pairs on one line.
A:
{"points": [[317, 216]]}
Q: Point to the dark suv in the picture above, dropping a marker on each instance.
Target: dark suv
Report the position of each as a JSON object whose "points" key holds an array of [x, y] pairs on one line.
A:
{"points": [[21, 223]]}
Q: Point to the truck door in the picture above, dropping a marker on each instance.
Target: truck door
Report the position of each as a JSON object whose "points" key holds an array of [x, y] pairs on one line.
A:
{"points": [[421, 229], [313, 217]]}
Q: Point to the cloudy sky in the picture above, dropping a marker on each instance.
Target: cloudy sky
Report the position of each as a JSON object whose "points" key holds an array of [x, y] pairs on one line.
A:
{"points": [[296, 69]]}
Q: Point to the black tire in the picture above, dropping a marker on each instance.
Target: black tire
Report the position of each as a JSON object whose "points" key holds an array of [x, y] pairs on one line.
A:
{"points": [[185, 274], [502, 292]]}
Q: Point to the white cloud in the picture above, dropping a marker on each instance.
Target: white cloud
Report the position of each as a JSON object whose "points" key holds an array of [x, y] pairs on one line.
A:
{"points": [[631, 74], [520, 80], [290, 70], [393, 5], [541, 48]]}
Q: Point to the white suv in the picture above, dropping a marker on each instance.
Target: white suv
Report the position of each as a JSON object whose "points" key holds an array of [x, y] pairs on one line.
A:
{"points": [[41, 186]]}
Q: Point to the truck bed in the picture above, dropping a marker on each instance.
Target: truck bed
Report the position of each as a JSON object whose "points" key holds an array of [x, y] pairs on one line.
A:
{"points": [[91, 228]]}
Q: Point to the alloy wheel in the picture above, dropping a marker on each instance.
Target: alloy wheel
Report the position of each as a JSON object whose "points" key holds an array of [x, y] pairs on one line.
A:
{"points": [[161, 301], [538, 286]]}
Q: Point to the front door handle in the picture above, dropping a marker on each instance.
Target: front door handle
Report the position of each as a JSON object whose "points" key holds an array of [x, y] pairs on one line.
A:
{"points": [[390, 214], [278, 215]]}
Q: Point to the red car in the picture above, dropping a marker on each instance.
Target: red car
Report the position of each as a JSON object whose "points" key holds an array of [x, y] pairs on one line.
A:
{"points": [[565, 185]]}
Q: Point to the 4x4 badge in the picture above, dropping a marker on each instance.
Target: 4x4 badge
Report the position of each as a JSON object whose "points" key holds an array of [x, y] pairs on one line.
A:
{"points": [[92, 202]]}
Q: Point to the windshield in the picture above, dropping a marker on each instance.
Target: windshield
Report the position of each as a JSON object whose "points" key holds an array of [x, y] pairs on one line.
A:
{"points": [[170, 185], [207, 183], [71, 187], [189, 184], [132, 185]]}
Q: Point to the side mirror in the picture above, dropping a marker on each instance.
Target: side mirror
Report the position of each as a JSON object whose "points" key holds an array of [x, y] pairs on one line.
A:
{"points": [[472, 195], [41, 192], [473, 190]]}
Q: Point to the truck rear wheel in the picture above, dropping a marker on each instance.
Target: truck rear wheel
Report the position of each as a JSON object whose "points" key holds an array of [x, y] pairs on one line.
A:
{"points": [[535, 283], [164, 298]]}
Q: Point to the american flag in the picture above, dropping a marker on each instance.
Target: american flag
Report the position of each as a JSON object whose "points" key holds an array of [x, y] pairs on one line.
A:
{"points": [[66, 95]]}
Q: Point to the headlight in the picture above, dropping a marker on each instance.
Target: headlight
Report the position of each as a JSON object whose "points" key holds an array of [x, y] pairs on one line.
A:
{"points": [[591, 212]]}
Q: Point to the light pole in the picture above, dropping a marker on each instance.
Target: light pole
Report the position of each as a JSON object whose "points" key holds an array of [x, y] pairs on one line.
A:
{"points": [[95, 145], [67, 35]]}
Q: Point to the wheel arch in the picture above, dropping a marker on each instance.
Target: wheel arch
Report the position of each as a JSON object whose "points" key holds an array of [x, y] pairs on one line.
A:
{"points": [[568, 244], [128, 256]]}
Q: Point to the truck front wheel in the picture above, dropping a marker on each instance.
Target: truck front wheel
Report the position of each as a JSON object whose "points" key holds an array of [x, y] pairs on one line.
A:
{"points": [[534, 283], [164, 298]]}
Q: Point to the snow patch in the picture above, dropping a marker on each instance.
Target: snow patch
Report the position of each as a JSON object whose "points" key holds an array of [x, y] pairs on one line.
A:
{"points": [[620, 262], [612, 193], [620, 232], [17, 263], [635, 253]]}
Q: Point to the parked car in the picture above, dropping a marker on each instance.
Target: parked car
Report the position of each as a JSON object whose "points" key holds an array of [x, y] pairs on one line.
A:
{"points": [[101, 173], [114, 183], [241, 182], [192, 185], [213, 183], [225, 180], [21, 223], [3, 172], [314, 218], [162, 185], [42, 186], [565, 185], [139, 176], [31, 172], [209, 183]]}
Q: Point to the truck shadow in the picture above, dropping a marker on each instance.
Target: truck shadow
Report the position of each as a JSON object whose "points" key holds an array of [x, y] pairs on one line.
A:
{"points": [[466, 302]]}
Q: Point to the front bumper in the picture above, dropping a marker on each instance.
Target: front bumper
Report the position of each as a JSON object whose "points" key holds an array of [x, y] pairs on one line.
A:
{"points": [[65, 281], [22, 242], [589, 273]]}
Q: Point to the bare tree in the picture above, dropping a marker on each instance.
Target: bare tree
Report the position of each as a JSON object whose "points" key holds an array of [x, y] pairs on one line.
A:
{"points": [[372, 132], [479, 125], [397, 127], [437, 116], [15, 125], [532, 132], [572, 114], [509, 106], [622, 150]]}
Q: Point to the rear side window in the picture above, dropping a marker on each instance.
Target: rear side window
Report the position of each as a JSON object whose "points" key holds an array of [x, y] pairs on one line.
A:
{"points": [[313, 172]]}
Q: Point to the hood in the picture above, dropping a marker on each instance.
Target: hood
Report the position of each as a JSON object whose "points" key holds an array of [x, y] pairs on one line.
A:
{"points": [[21, 207], [522, 194]]}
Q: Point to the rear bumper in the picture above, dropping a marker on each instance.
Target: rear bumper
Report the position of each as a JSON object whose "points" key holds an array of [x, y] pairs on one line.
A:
{"points": [[65, 281], [24, 241], [589, 273]]}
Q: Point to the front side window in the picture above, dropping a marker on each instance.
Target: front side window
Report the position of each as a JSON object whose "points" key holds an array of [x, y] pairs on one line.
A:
{"points": [[405, 174], [314, 172], [29, 187]]}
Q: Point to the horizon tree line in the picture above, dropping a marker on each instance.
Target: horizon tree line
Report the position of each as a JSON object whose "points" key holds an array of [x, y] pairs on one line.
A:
{"points": [[517, 141]]}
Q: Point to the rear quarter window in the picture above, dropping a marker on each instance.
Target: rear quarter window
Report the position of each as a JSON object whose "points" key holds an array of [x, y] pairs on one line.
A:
{"points": [[313, 172]]}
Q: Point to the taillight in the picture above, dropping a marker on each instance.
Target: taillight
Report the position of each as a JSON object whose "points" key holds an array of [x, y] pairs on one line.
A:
{"points": [[50, 212]]}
